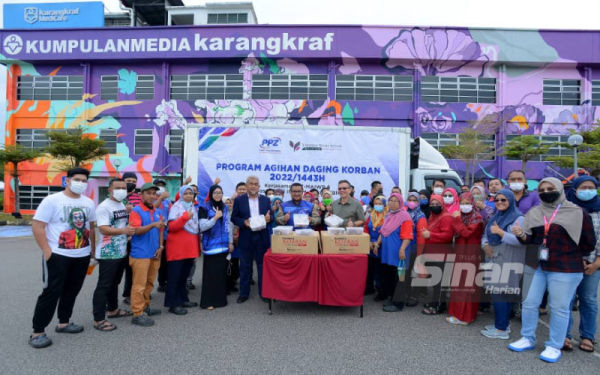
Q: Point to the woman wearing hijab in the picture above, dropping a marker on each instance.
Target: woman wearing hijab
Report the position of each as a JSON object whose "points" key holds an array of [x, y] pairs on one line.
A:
{"points": [[438, 244], [417, 244], [478, 193], [395, 235], [309, 197], [502, 247], [451, 202], [425, 196], [217, 243], [562, 235], [584, 193], [468, 225], [184, 249], [372, 226], [325, 207]]}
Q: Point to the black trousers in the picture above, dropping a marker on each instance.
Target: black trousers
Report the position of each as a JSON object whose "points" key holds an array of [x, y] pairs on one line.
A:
{"points": [[373, 274], [63, 278], [176, 293], [128, 275], [391, 284], [233, 273], [106, 295], [163, 271]]}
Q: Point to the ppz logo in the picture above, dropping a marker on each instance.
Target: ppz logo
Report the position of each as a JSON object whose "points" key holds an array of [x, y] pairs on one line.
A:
{"points": [[31, 14], [270, 143]]}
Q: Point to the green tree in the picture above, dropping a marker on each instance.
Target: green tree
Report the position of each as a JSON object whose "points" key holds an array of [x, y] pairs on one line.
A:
{"points": [[16, 154], [524, 148], [74, 147], [588, 156]]}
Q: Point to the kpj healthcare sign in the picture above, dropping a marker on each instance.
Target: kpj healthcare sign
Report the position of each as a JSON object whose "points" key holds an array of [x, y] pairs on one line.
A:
{"points": [[280, 157], [54, 15]]}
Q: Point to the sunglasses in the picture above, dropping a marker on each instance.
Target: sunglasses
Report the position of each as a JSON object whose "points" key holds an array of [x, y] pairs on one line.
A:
{"points": [[343, 188], [448, 196], [503, 200]]}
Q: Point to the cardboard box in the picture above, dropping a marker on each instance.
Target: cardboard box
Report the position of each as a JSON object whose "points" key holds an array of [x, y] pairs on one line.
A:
{"points": [[293, 244], [345, 244]]}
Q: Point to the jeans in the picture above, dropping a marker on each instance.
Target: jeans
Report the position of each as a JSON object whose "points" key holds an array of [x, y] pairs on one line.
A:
{"points": [[106, 295], [501, 311], [254, 250], [561, 288], [588, 307]]}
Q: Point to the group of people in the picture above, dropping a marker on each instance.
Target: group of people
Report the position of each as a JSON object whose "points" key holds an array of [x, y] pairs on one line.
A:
{"points": [[414, 238]]}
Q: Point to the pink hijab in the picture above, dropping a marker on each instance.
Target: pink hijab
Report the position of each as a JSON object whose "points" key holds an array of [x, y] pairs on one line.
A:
{"points": [[455, 206], [394, 219]]}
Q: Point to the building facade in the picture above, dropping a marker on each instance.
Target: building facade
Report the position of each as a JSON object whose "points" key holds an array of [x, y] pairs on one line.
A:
{"points": [[139, 88]]}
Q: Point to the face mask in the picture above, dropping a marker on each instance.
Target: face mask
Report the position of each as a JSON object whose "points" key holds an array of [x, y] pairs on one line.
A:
{"points": [[119, 194], [438, 191], [436, 209], [160, 191], [380, 191], [492, 195], [187, 205], [516, 186], [270, 196], [550, 197], [378, 208], [424, 202], [327, 201], [412, 205], [78, 187], [586, 195], [478, 198], [130, 187], [448, 200], [466, 208]]}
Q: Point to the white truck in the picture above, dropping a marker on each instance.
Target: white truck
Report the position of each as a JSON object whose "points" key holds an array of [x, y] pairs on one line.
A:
{"points": [[315, 156]]}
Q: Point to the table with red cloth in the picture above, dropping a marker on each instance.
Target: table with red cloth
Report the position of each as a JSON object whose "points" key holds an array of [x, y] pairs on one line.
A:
{"points": [[328, 279]]}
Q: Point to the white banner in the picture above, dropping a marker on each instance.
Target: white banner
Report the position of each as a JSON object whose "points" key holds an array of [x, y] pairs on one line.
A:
{"points": [[315, 158]]}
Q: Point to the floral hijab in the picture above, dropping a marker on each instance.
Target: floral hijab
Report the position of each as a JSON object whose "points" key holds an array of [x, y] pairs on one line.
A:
{"points": [[473, 217]]}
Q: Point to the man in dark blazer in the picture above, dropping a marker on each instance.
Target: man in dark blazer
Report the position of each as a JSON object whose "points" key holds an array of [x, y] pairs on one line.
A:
{"points": [[253, 244]]}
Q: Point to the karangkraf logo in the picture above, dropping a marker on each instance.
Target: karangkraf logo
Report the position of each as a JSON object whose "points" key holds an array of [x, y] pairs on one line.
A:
{"points": [[31, 14], [13, 44]]}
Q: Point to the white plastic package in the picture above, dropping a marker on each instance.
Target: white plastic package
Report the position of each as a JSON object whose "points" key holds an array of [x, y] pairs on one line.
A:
{"points": [[258, 223], [305, 232], [336, 231], [354, 231], [334, 221], [301, 220], [283, 230]]}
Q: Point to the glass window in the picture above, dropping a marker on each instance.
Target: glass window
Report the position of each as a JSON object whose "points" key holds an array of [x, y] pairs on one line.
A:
{"points": [[144, 88], [563, 91], [30, 196], [207, 86], [290, 86], [49, 88], [225, 18], [458, 89], [110, 138], [109, 87], [143, 142], [176, 141], [374, 87]]}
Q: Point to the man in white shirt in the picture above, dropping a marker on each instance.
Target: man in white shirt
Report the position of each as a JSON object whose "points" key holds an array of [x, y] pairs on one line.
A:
{"points": [[64, 228]]}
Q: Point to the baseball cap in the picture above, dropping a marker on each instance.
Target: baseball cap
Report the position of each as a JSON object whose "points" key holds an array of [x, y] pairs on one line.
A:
{"points": [[158, 181], [148, 186]]}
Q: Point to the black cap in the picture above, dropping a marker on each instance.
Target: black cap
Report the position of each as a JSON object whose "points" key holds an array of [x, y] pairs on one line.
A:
{"points": [[159, 180], [129, 175]]}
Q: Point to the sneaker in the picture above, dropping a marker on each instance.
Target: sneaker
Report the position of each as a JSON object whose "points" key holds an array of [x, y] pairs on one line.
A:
{"points": [[40, 342], [161, 289], [178, 311], [69, 328], [393, 308], [142, 320], [190, 285], [151, 312], [495, 334], [551, 355], [522, 345], [492, 327], [189, 304]]}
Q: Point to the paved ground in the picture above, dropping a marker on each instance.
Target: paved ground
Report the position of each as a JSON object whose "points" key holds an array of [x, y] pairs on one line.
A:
{"points": [[243, 339]]}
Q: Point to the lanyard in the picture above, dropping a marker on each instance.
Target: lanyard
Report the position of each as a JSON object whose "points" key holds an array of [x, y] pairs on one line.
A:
{"points": [[548, 223]]}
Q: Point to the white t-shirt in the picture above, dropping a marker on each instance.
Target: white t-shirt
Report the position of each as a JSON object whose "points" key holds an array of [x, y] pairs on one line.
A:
{"points": [[68, 223], [114, 215]]}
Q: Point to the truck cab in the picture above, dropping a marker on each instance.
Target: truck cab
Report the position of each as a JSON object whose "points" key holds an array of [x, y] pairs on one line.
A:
{"points": [[428, 165]]}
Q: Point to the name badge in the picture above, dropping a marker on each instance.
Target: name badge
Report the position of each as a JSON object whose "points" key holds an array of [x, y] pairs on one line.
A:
{"points": [[543, 253]]}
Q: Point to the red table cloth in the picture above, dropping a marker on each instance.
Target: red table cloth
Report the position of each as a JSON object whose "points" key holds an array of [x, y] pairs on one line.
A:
{"points": [[292, 278], [342, 279]]}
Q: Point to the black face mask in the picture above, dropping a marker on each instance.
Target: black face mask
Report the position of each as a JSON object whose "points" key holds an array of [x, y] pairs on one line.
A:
{"points": [[130, 187], [549, 197], [436, 209], [380, 191]]}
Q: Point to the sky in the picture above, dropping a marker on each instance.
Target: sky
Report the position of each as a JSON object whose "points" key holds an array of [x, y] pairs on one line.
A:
{"points": [[528, 14]]}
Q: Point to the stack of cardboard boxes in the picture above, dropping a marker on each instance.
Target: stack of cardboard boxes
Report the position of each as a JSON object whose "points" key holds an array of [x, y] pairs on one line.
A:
{"points": [[323, 241]]}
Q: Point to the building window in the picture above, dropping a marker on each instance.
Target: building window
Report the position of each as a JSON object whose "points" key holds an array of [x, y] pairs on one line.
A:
{"points": [[143, 142], [458, 89], [35, 139], [49, 88], [109, 87], [556, 150], [562, 92], [216, 18], [439, 140], [176, 142], [110, 138], [144, 88], [289, 86], [207, 86], [30, 197], [182, 19], [595, 92], [374, 88]]}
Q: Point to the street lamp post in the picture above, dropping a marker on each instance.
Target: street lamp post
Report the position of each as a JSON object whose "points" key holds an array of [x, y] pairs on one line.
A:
{"points": [[575, 141], [117, 163]]}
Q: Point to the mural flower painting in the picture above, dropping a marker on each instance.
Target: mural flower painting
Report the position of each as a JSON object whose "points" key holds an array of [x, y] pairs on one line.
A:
{"points": [[437, 51], [523, 119], [577, 118], [168, 114], [437, 119], [226, 112]]}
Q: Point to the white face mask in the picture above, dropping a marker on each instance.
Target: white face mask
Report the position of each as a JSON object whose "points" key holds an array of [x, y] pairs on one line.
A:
{"points": [[448, 200], [438, 191], [119, 194], [78, 187], [516, 186], [466, 208]]}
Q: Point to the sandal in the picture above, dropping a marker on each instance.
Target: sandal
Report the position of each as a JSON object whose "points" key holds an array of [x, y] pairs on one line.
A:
{"points": [[453, 320], [432, 310], [105, 326], [543, 312], [584, 346], [120, 314], [568, 346]]}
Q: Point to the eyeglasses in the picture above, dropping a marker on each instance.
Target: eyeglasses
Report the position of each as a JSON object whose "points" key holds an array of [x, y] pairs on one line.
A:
{"points": [[343, 188], [296, 192], [448, 196], [217, 193], [503, 200]]}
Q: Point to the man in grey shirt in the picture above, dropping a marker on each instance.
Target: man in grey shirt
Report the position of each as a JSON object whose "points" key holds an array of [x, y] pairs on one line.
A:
{"points": [[347, 207]]}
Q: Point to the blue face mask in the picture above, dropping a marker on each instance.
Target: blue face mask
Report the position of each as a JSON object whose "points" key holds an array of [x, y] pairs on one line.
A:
{"points": [[423, 202], [187, 205], [586, 195], [378, 208]]}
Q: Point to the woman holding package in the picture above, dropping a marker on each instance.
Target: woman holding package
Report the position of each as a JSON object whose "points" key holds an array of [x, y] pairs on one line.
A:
{"points": [[217, 243], [584, 193], [396, 234], [372, 227], [562, 235], [413, 207], [438, 244], [184, 248], [502, 247]]}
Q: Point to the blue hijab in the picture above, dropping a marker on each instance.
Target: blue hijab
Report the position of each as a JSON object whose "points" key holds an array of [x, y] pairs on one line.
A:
{"points": [[504, 219], [593, 205]]}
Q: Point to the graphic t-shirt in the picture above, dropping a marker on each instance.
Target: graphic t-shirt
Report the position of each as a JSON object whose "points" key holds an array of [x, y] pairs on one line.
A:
{"points": [[114, 215], [68, 223]]}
